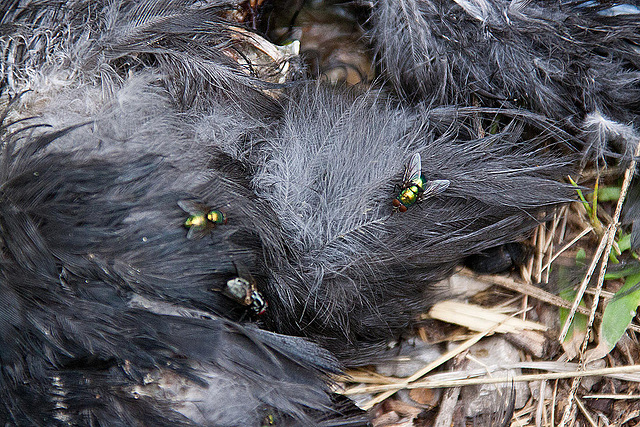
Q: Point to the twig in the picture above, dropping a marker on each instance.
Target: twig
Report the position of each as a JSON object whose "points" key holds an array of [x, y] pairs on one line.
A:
{"points": [[582, 288], [523, 288], [428, 383], [567, 246], [586, 413], [546, 272], [563, 224], [479, 373], [613, 396], [447, 408], [540, 409], [552, 232], [391, 389], [540, 244], [553, 402], [449, 401]]}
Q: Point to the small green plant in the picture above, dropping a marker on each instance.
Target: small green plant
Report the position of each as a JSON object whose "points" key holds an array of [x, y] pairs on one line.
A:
{"points": [[591, 208], [619, 312]]}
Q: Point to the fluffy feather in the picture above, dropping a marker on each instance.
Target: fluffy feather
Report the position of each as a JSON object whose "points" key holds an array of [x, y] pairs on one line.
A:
{"points": [[113, 317], [361, 272], [51, 45], [565, 60]]}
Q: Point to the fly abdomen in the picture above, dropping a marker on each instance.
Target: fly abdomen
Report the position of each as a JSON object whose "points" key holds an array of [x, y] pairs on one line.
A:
{"points": [[195, 221]]}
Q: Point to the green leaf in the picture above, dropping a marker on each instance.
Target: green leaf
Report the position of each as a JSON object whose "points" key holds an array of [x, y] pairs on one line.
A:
{"points": [[608, 194], [617, 316], [612, 258], [578, 328], [625, 242], [627, 271]]}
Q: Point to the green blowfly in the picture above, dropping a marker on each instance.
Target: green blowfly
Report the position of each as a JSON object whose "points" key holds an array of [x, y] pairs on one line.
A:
{"points": [[415, 187], [202, 219]]}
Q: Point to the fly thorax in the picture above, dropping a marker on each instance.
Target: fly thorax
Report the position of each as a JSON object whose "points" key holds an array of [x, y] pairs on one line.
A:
{"points": [[409, 195], [241, 289], [216, 216]]}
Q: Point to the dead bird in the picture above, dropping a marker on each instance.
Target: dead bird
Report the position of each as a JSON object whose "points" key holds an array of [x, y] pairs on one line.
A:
{"points": [[576, 62], [115, 317], [307, 183]]}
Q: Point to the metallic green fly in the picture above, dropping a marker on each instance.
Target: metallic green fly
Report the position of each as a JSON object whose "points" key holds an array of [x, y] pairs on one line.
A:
{"points": [[415, 186], [202, 219]]}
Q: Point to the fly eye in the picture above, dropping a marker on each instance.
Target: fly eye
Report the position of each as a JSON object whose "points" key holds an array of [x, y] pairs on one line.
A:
{"points": [[397, 204], [402, 208]]}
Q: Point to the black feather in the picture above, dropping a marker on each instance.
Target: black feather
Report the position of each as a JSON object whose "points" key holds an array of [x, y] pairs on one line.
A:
{"points": [[111, 316], [576, 62]]}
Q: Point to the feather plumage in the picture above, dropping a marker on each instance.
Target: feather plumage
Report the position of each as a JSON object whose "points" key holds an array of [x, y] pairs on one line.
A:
{"points": [[566, 60], [190, 47], [106, 294], [360, 271], [114, 316]]}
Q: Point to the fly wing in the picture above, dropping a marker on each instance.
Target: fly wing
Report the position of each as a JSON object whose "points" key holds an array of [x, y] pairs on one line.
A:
{"points": [[243, 271], [192, 208], [435, 187], [199, 231], [414, 169]]}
